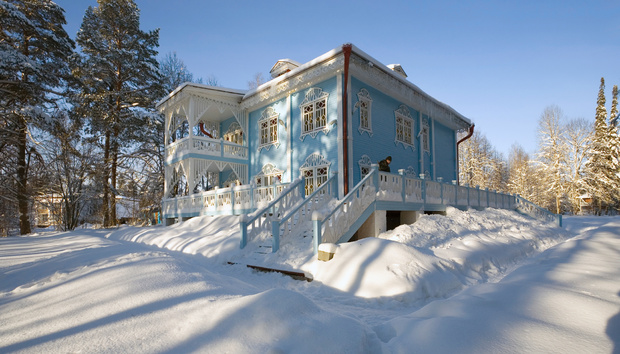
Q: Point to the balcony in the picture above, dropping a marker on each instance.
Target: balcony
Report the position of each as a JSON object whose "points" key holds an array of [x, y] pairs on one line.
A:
{"points": [[197, 146]]}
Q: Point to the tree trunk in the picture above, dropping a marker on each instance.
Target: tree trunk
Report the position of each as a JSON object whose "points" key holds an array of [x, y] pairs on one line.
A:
{"points": [[106, 185], [113, 217], [22, 179]]}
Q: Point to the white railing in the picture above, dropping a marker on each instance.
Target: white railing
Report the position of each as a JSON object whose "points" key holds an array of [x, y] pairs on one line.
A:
{"points": [[221, 201], [301, 215], [206, 146], [261, 221], [329, 228], [537, 212]]}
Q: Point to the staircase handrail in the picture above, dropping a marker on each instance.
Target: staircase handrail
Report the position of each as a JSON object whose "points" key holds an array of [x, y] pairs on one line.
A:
{"points": [[525, 206], [268, 211], [304, 209], [365, 188]]}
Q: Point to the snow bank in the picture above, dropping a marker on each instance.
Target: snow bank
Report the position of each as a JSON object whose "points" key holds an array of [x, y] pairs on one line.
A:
{"points": [[437, 256], [105, 291]]}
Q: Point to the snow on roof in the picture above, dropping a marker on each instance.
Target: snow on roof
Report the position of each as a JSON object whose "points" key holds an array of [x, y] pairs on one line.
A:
{"points": [[283, 66], [397, 68], [203, 86]]}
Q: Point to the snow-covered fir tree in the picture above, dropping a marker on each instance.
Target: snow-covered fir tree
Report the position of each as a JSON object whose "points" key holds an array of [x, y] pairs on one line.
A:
{"points": [[602, 173], [34, 49], [119, 78]]}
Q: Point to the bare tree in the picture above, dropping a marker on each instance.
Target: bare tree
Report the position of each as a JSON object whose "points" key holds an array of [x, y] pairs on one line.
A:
{"points": [[552, 157], [256, 81]]}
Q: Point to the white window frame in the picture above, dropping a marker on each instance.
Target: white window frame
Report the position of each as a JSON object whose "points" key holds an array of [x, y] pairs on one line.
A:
{"points": [[268, 129], [234, 134], [365, 164], [315, 172], [425, 135], [364, 104], [404, 127], [268, 176], [314, 113]]}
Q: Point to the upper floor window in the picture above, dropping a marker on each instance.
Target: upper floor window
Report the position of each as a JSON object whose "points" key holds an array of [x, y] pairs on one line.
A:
{"points": [[425, 136], [404, 127], [364, 104], [314, 112], [315, 172], [234, 134], [268, 128]]}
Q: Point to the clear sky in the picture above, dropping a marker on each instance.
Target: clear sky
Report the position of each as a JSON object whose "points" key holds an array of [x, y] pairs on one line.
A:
{"points": [[499, 63]]}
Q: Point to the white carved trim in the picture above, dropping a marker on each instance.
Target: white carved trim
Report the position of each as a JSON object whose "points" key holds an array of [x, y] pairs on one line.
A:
{"points": [[313, 96], [283, 87], [364, 162], [410, 172], [363, 96], [315, 160], [268, 114], [406, 92]]}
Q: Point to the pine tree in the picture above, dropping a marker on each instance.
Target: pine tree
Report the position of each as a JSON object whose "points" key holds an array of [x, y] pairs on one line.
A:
{"points": [[119, 75], [34, 49], [614, 151]]}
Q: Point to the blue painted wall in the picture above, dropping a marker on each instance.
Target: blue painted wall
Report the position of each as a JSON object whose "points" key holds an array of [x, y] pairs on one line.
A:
{"points": [[289, 136], [324, 144], [382, 143], [445, 152]]}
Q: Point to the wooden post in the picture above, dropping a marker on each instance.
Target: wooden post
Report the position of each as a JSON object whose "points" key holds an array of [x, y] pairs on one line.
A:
{"points": [[275, 234], [316, 225]]}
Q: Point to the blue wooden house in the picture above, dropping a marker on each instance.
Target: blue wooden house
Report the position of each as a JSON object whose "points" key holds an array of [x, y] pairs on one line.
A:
{"points": [[312, 135]]}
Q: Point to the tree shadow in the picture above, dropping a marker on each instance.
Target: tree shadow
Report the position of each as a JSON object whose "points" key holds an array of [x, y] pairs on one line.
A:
{"points": [[613, 331]]}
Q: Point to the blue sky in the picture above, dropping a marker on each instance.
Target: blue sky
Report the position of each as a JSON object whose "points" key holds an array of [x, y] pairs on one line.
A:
{"points": [[499, 63]]}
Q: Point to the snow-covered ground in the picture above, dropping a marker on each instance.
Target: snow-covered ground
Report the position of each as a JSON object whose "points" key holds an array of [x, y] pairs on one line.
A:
{"points": [[490, 281]]}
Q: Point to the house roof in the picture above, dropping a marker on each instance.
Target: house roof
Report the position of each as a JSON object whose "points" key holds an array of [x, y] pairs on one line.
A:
{"points": [[290, 68]]}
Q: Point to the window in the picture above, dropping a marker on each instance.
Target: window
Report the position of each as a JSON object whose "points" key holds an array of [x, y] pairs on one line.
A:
{"points": [[314, 112], [404, 127], [268, 176], [364, 104], [425, 136], [234, 134], [315, 172], [268, 128], [365, 164]]}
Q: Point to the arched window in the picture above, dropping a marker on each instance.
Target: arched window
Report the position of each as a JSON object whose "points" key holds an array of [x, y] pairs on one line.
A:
{"points": [[313, 112], [404, 127], [315, 172], [365, 164], [268, 128], [234, 134], [364, 104], [268, 176]]}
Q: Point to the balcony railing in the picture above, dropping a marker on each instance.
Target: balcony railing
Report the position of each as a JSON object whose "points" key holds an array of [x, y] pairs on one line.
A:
{"points": [[222, 201], [205, 146]]}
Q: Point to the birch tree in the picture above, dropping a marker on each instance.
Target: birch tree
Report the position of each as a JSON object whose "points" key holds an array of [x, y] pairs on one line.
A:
{"points": [[552, 154]]}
